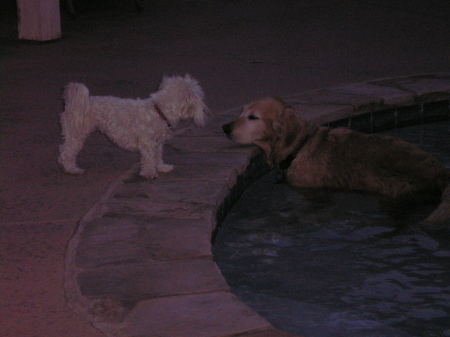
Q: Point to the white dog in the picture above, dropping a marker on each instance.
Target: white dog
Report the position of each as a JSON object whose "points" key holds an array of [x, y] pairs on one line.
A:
{"points": [[135, 124]]}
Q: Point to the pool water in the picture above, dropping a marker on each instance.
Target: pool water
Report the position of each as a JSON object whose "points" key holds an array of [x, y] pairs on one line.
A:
{"points": [[325, 263]]}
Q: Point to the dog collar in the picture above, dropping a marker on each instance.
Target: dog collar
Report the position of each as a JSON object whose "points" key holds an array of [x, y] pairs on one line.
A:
{"points": [[161, 114], [286, 162], [282, 167]]}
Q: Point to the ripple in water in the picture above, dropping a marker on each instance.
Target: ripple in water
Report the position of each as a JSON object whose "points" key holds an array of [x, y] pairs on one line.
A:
{"points": [[329, 263]]}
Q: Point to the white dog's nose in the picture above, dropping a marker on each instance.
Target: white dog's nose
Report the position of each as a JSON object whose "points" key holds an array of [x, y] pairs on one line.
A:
{"points": [[227, 128]]}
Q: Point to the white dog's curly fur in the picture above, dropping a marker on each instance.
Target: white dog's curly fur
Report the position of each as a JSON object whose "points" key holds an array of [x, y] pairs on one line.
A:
{"points": [[134, 124]]}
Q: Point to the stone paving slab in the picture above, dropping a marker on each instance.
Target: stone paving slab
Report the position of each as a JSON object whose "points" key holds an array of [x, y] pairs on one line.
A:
{"points": [[387, 95], [199, 173], [140, 262], [136, 282], [204, 315], [171, 238], [202, 192], [110, 241], [426, 88], [116, 252], [339, 96], [227, 159], [145, 238], [321, 113], [166, 209], [348, 100], [206, 144], [190, 172]]}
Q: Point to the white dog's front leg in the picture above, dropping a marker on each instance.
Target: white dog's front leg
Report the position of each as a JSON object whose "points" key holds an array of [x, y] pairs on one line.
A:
{"points": [[149, 161], [68, 153], [162, 167]]}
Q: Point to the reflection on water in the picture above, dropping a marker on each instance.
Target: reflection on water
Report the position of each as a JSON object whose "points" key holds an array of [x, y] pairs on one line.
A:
{"points": [[330, 263]]}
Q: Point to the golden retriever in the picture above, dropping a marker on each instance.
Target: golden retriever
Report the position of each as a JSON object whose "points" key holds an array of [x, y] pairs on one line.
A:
{"points": [[341, 158]]}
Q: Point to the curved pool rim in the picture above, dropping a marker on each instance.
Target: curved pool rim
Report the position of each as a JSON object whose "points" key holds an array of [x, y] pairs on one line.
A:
{"points": [[140, 261]]}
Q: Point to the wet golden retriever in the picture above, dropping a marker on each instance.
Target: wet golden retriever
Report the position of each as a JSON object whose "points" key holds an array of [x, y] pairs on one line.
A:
{"points": [[341, 158]]}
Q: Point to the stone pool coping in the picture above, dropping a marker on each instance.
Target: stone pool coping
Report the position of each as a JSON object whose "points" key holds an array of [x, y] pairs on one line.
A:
{"points": [[140, 263]]}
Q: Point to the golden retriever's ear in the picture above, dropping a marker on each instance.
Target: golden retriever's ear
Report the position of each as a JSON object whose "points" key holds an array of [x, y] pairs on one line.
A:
{"points": [[286, 123], [266, 146], [289, 130]]}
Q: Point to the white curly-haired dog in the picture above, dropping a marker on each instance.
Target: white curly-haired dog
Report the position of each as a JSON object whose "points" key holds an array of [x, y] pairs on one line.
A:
{"points": [[134, 124]]}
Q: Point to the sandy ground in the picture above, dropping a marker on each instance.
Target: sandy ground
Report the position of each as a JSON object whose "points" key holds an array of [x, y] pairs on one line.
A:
{"points": [[239, 50]]}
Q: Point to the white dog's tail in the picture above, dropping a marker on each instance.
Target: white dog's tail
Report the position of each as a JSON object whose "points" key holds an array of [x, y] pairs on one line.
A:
{"points": [[76, 98], [76, 124]]}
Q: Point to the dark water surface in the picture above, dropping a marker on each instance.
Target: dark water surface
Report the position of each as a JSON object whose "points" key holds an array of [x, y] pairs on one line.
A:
{"points": [[328, 263]]}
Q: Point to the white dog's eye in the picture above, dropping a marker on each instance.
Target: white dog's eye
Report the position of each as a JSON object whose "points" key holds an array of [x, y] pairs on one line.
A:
{"points": [[252, 117]]}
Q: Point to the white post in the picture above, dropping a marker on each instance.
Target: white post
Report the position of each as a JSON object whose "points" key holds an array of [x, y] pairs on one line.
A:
{"points": [[39, 20]]}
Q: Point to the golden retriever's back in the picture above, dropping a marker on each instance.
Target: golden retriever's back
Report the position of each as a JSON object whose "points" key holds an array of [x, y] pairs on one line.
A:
{"points": [[341, 157]]}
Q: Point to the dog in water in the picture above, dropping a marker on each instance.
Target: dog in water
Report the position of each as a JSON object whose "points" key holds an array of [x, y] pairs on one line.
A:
{"points": [[134, 124], [340, 158]]}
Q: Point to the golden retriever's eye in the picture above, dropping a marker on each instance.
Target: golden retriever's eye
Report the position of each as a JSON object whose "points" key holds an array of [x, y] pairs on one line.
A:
{"points": [[252, 117]]}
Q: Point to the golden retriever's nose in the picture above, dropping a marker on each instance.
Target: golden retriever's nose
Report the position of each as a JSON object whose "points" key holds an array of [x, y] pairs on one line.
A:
{"points": [[227, 128]]}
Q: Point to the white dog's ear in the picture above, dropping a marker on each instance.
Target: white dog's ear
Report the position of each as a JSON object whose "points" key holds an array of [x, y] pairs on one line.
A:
{"points": [[163, 81], [198, 107], [199, 113]]}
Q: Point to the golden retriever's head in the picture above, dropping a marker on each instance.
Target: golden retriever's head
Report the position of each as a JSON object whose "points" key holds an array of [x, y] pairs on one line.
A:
{"points": [[270, 124]]}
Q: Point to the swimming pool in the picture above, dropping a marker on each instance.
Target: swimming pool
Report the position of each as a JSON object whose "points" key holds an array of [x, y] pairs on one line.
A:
{"points": [[331, 263]]}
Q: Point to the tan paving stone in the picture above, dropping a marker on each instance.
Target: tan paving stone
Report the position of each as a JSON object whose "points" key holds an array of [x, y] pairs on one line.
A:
{"points": [[229, 159], [97, 254], [332, 96], [427, 87], [202, 315], [388, 95], [208, 144], [106, 230], [151, 280], [323, 113], [178, 238], [168, 238], [173, 209], [109, 240], [185, 191], [200, 173], [187, 172]]}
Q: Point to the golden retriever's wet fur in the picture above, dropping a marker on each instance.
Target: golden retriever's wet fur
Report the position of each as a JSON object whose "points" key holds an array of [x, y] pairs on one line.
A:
{"points": [[341, 158]]}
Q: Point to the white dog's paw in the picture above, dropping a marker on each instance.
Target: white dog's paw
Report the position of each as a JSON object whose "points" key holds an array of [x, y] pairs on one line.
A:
{"points": [[149, 175], [74, 170], [165, 168]]}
